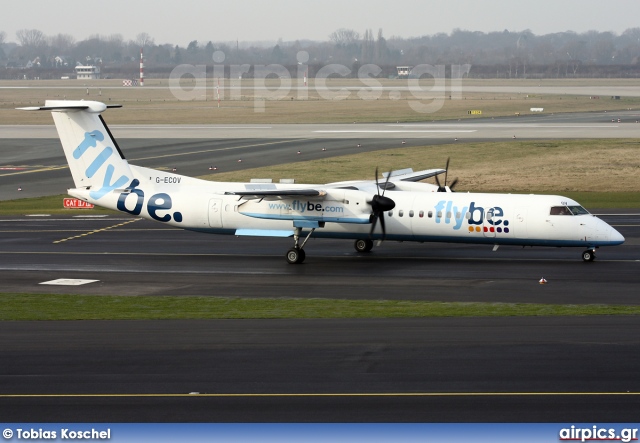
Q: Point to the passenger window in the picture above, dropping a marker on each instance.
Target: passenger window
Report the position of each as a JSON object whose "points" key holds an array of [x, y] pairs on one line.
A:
{"points": [[390, 213], [411, 213], [448, 214], [400, 213], [439, 215], [468, 216], [430, 214], [421, 214]]}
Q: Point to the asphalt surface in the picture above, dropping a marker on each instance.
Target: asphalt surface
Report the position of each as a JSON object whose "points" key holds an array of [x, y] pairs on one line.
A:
{"points": [[406, 370], [426, 370], [569, 369], [140, 257]]}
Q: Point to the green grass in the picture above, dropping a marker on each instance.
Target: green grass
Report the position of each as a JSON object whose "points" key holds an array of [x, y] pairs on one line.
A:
{"points": [[606, 200], [21, 307], [45, 205]]}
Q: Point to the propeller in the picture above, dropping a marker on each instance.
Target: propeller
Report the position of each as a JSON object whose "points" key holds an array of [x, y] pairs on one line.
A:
{"points": [[453, 183], [379, 204]]}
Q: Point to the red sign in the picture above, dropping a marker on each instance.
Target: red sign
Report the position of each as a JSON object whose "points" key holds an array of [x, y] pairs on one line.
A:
{"points": [[74, 203]]}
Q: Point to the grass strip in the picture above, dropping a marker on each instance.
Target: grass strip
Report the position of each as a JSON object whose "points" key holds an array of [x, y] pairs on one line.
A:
{"points": [[15, 307]]}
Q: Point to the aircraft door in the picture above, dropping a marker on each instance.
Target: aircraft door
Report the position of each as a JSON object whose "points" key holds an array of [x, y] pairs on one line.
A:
{"points": [[488, 229], [215, 213], [520, 225]]}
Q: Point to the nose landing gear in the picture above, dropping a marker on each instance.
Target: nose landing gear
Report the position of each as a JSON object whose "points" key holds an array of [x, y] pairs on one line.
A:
{"points": [[589, 255]]}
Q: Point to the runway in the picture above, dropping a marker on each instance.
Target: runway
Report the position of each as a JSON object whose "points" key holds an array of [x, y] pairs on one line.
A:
{"points": [[569, 369], [412, 370], [139, 257], [406, 370]]}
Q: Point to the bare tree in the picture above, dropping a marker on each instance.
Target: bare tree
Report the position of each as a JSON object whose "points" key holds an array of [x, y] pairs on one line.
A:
{"points": [[3, 36], [344, 37], [381, 50], [31, 38], [366, 52], [62, 44], [144, 39]]}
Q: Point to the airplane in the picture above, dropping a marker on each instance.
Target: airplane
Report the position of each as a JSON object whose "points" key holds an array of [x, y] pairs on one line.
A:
{"points": [[403, 208]]}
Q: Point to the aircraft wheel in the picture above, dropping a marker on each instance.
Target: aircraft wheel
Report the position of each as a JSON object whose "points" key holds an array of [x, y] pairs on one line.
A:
{"points": [[363, 245], [589, 255], [295, 256]]}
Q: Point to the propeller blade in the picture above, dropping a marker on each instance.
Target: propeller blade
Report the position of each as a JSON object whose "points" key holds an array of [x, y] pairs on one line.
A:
{"points": [[379, 205], [440, 187], [453, 184], [446, 171], [382, 225], [385, 183], [373, 226]]}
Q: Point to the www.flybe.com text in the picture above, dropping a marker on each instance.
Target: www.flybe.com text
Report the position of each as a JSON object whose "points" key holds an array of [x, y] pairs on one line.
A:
{"points": [[301, 207]]}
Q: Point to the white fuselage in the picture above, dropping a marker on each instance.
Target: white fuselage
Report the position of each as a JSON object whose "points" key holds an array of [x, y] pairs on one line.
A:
{"points": [[425, 216]]}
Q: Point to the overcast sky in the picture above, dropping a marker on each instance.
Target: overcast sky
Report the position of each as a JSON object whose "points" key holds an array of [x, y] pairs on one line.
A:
{"points": [[180, 21]]}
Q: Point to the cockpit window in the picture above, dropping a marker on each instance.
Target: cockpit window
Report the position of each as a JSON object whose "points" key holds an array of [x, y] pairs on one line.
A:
{"points": [[578, 210], [568, 210]]}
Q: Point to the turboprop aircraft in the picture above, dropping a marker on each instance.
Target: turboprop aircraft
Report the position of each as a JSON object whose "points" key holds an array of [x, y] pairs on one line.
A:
{"points": [[399, 209]]}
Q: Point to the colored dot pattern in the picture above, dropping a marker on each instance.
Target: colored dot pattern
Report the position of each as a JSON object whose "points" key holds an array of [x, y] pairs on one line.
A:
{"points": [[489, 229]]}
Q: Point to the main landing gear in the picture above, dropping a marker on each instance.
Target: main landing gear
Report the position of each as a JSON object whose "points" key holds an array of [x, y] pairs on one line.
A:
{"points": [[296, 254], [363, 245], [589, 255]]}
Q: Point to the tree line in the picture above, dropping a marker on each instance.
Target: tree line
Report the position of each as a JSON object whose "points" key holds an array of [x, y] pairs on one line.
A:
{"points": [[506, 54]]}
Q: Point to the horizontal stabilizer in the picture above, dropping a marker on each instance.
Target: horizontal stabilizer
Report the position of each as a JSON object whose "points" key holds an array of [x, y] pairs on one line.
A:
{"points": [[67, 108]]}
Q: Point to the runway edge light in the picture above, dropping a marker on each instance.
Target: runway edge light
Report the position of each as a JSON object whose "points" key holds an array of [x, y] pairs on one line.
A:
{"points": [[543, 281]]}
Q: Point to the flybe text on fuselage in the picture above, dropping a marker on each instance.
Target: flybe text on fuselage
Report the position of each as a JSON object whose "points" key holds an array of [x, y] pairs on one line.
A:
{"points": [[301, 207], [157, 202], [448, 213]]}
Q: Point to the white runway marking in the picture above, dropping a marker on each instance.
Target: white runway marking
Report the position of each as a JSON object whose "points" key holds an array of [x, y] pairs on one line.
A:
{"points": [[68, 282], [392, 131]]}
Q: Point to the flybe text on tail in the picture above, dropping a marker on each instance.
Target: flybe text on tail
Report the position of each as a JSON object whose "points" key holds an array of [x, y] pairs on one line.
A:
{"points": [[92, 140]]}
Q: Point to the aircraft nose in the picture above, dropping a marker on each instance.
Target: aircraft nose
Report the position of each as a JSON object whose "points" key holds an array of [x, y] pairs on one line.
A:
{"points": [[615, 237]]}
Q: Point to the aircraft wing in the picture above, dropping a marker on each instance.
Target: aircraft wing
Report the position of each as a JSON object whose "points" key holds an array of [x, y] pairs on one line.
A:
{"points": [[253, 194], [408, 175]]}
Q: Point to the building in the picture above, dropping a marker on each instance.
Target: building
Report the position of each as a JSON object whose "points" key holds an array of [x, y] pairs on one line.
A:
{"points": [[404, 71], [87, 72]]}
